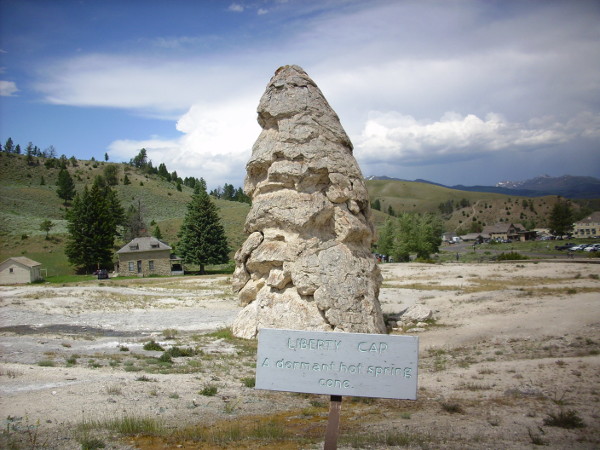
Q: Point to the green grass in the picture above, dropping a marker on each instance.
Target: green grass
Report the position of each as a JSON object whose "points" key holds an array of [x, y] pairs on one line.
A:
{"points": [[126, 424]]}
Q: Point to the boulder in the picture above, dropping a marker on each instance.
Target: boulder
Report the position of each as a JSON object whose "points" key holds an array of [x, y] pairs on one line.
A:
{"points": [[417, 313]]}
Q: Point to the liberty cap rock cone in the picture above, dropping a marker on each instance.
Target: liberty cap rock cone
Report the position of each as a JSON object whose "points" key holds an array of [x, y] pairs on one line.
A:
{"points": [[307, 263]]}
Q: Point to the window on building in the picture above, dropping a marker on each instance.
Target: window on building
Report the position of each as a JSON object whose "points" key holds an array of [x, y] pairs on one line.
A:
{"points": [[11, 270], [131, 266], [154, 245], [151, 265]]}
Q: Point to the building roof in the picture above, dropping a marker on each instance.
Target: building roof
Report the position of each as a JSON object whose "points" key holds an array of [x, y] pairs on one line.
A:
{"points": [[497, 228], [471, 236], [593, 218], [144, 244], [23, 260]]}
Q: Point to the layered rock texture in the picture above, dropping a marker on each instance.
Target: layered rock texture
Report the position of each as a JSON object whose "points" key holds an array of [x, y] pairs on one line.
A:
{"points": [[306, 263]]}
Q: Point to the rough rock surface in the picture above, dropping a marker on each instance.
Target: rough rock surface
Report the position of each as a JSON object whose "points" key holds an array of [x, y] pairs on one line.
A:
{"points": [[306, 263]]}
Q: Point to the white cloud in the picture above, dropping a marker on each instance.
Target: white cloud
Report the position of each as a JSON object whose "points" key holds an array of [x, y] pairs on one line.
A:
{"points": [[407, 62], [401, 139], [8, 88], [216, 143], [235, 7], [262, 11]]}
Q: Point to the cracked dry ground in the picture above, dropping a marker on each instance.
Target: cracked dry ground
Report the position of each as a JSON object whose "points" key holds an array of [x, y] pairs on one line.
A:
{"points": [[512, 360]]}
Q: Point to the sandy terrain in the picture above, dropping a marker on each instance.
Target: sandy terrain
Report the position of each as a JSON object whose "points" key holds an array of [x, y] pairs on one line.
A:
{"points": [[510, 345]]}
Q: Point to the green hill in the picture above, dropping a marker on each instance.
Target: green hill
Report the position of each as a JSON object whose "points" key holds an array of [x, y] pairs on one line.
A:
{"points": [[462, 211], [28, 196]]}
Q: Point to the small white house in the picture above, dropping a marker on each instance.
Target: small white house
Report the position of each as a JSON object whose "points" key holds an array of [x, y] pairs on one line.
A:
{"points": [[19, 270]]}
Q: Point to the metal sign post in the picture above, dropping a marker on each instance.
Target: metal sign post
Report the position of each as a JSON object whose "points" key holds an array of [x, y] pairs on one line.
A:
{"points": [[333, 424]]}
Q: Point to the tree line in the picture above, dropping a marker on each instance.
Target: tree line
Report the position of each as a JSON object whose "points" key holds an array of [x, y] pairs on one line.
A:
{"points": [[96, 219], [410, 233]]}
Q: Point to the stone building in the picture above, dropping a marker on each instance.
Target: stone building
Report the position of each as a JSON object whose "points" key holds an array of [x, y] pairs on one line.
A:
{"points": [[145, 256], [19, 270], [588, 226]]}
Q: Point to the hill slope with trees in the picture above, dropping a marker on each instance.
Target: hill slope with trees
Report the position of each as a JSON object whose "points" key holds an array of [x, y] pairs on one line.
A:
{"points": [[33, 214]]}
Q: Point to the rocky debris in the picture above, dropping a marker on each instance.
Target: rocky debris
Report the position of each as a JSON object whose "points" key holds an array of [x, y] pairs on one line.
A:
{"points": [[411, 320], [417, 313], [306, 263]]}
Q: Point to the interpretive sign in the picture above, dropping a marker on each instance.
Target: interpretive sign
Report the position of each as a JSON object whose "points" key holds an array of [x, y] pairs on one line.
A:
{"points": [[344, 364]]}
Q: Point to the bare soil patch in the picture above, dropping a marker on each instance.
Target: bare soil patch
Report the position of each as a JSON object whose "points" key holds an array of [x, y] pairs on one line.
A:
{"points": [[512, 360]]}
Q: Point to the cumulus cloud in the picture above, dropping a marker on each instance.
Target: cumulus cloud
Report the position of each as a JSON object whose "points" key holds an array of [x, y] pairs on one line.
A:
{"points": [[8, 88], [401, 139], [409, 63], [236, 7], [215, 144]]}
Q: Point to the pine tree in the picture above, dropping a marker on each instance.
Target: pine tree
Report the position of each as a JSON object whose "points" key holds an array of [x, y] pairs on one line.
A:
{"points": [[157, 233], [46, 226], [561, 219], [9, 146], [202, 237], [385, 243], [92, 225], [65, 186], [135, 225]]}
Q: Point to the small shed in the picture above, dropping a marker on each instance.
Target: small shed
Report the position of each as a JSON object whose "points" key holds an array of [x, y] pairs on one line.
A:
{"points": [[145, 256], [20, 270]]}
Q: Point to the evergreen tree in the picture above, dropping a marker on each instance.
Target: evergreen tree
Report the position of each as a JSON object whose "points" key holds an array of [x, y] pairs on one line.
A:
{"points": [[561, 219], [65, 186], [126, 180], [46, 226], [202, 237], [92, 225], [29, 154], [376, 204], [385, 243], [111, 173], [157, 233], [9, 146], [163, 172], [135, 225]]}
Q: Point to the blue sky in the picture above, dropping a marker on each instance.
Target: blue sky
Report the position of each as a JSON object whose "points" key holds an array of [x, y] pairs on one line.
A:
{"points": [[456, 92]]}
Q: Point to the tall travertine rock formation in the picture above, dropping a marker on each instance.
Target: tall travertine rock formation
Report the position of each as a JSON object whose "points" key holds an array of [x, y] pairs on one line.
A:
{"points": [[307, 262]]}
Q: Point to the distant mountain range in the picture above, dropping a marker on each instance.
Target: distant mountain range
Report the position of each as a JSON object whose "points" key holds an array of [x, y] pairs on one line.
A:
{"points": [[567, 186]]}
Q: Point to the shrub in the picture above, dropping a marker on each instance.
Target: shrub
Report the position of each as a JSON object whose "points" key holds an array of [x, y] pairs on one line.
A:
{"points": [[510, 256], [165, 357], [177, 352], [210, 390], [249, 382], [564, 419], [152, 345]]}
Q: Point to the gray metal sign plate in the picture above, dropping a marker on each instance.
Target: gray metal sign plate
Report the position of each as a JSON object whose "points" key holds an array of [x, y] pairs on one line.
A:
{"points": [[347, 364]]}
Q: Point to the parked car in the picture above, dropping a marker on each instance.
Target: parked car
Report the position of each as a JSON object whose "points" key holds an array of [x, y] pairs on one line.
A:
{"points": [[578, 248], [102, 274], [564, 246], [592, 248]]}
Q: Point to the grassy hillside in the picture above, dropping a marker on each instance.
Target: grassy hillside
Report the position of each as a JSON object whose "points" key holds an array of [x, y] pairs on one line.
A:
{"points": [[466, 208], [25, 202], [28, 196]]}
